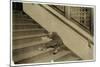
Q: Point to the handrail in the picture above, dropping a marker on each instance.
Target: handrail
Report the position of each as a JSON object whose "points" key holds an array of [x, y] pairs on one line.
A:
{"points": [[69, 23]]}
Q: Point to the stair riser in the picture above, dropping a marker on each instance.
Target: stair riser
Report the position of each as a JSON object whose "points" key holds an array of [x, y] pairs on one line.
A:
{"points": [[22, 19], [48, 57], [28, 49], [17, 42], [23, 22], [20, 16], [69, 57], [32, 59], [28, 55], [30, 36], [27, 33], [25, 26]]}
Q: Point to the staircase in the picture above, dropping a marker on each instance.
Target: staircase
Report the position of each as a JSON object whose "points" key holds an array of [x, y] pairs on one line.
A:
{"points": [[29, 41], [74, 37]]}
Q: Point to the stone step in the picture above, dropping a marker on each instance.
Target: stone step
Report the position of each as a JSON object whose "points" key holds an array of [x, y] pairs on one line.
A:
{"points": [[29, 36], [28, 44], [28, 54], [36, 29], [22, 19], [24, 26], [49, 57], [23, 23], [22, 15], [21, 33], [69, 57], [28, 40], [46, 57]]}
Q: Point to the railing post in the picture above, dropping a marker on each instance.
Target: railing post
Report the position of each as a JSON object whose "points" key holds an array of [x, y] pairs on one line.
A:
{"points": [[68, 12]]}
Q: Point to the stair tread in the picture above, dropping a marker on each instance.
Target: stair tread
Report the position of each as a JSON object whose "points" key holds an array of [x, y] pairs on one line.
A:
{"points": [[23, 41], [49, 58], [25, 24], [22, 19], [19, 46], [29, 54], [29, 36], [15, 14], [22, 22], [68, 58], [32, 26], [35, 29], [20, 16], [25, 33]]}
